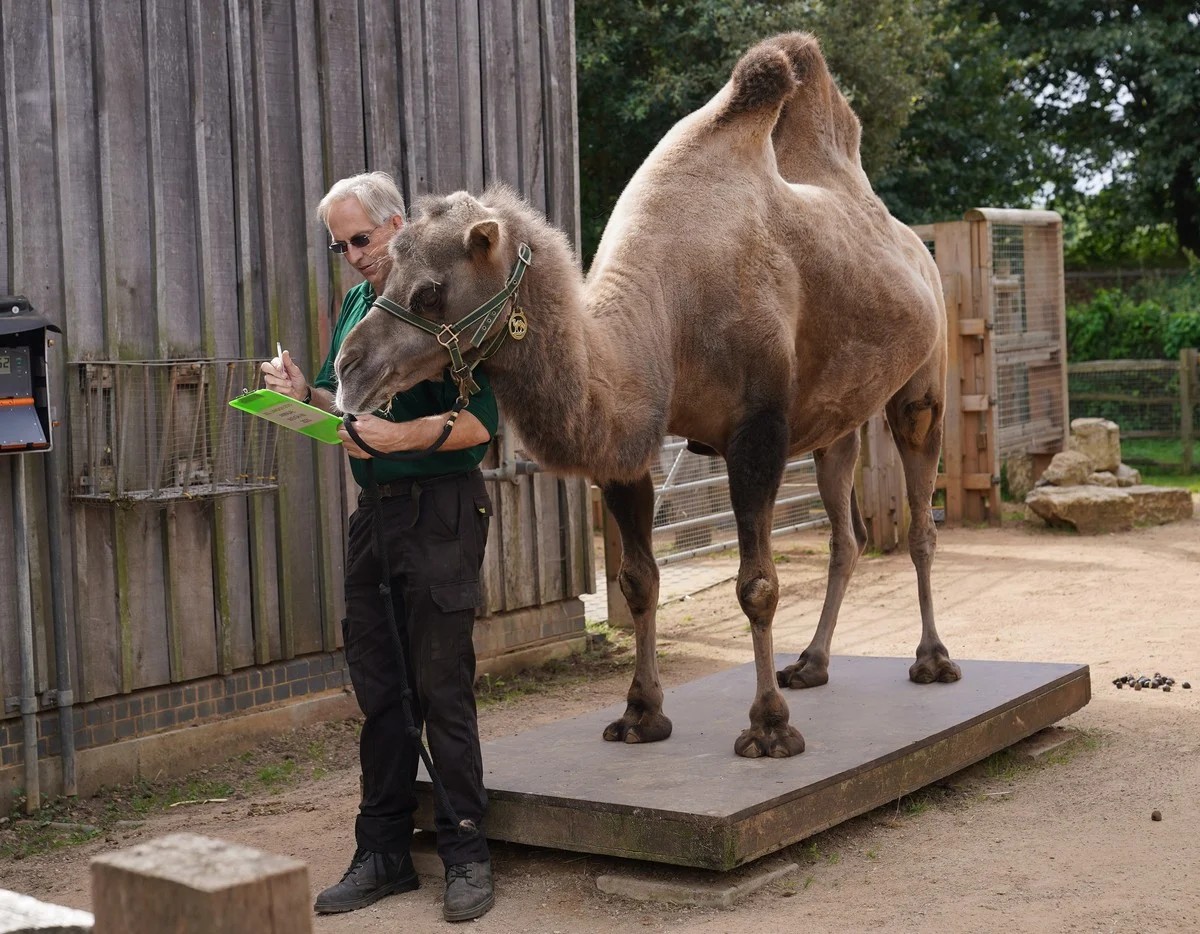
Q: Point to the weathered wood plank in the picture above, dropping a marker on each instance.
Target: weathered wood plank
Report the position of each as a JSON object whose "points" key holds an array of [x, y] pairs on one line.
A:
{"points": [[188, 553], [141, 597], [562, 162], [445, 114], [531, 119], [382, 111], [251, 303], [329, 506], [192, 632], [98, 633], [470, 143], [499, 95], [416, 129], [218, 300], [283, 211]]}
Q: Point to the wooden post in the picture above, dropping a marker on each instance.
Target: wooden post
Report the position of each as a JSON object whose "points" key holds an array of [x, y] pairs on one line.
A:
{"points": [[1187, 399], [188, 884]]}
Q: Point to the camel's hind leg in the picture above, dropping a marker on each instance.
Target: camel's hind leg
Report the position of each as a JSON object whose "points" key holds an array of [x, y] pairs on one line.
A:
{"points": [[915, 417], [847, 541], [756, 456], [632, 505]]}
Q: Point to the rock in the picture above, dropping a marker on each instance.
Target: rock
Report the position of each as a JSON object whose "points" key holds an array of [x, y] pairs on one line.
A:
{"points": [[1156, 814], [1069, 468], [1128, 476], [1099, 439], [1089, 509], [1103, 478], [1018, 472], [1155, 505]]}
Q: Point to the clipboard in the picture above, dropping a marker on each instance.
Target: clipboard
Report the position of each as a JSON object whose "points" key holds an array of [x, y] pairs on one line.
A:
{"points": [[290, 413]]}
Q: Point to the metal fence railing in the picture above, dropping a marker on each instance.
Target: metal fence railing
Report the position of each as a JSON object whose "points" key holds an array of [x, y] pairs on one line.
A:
{"points": [[692, 512]]}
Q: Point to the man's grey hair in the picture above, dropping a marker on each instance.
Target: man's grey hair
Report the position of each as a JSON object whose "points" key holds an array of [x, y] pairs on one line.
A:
{"points": [[376, 192]]}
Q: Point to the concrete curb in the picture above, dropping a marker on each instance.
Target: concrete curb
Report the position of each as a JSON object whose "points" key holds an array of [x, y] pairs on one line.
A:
{"points": [[698, 894]]}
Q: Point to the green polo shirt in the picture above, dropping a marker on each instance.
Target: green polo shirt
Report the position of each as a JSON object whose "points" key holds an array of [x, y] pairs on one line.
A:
{"points": [[431, 397]]}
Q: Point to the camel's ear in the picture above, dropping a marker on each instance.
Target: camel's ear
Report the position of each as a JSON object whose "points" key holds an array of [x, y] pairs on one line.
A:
{"points": [[483, 236]]}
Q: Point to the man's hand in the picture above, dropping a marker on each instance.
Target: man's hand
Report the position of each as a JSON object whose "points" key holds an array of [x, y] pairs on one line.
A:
{"points": [[416, 435], [379, 433], [282, 375]]}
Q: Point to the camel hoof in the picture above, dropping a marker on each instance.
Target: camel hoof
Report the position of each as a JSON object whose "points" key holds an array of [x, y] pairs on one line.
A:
{"points": [[802, 675], [810, 671], [778, 743], [936, 667], [648, 728]]}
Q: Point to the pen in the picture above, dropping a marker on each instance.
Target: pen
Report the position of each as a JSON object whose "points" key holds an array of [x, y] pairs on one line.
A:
{"points": [[279, 351]]}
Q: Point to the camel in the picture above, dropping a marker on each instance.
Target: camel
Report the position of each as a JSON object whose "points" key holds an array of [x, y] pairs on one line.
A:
{"points": [[750, 293]]}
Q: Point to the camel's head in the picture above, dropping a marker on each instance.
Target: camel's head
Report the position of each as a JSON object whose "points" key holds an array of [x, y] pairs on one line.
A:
{"points": [[448, 261]]}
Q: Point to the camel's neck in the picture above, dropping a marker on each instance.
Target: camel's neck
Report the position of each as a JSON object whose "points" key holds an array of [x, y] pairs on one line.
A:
{"points": [[587, 389]]}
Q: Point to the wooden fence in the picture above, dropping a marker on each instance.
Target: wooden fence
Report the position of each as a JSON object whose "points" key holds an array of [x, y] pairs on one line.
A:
{"points": [[161, 163], [1146, 398]]}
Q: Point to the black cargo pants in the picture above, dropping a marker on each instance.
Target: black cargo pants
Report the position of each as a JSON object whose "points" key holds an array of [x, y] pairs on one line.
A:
{"points": [[434, 534]]}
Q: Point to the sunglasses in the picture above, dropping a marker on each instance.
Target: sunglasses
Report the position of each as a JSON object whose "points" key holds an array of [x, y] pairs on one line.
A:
{"points": [[358, 241]]}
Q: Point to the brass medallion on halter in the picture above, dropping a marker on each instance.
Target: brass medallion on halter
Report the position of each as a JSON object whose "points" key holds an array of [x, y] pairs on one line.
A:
{"points": [[518, 324]]}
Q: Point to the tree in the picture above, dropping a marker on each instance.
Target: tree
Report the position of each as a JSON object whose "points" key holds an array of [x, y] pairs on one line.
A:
{"points": [[973, 139], [642, 65], [1117, 86]]}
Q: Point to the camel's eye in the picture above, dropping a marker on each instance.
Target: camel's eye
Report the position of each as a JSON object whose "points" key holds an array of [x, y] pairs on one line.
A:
{"points": [[429, 298]]}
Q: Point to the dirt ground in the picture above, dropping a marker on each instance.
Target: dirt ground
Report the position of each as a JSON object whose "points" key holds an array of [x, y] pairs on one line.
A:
{"points": [[1067, 845]]}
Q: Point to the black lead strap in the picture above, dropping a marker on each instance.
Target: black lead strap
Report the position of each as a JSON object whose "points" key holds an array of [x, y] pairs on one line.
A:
{"points": [[464, 827]]}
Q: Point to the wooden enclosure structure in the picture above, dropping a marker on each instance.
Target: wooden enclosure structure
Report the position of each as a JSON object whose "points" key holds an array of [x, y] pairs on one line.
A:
{"points": [[161, 167], [1006, 400]]}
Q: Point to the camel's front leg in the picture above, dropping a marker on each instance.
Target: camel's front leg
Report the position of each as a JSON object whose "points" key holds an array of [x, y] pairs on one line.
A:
{"points": [[632, 505], [757, 455]]}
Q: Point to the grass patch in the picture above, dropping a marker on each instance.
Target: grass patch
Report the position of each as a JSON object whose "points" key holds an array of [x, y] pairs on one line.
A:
{"points": [[33, 837], [278, 775]]}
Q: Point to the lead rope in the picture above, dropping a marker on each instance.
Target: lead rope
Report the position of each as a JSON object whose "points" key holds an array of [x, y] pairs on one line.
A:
{"points": [[464, 827]]}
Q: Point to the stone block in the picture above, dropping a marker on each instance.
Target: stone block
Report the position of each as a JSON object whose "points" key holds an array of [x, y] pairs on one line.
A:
{"points": [[1091, 510], [1156, 505], [1099, 439], [1018, 470], [1128, 476], [1068, 468], [188, 884], [1103, 478]]}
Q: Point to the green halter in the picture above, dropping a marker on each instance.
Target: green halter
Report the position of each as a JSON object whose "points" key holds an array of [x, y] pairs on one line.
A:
{"points": [[479, 321]]}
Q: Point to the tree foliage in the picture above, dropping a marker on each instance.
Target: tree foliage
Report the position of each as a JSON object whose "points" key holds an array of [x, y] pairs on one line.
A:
{"points": [[642, 65], [1117, 89], [971, 140]]}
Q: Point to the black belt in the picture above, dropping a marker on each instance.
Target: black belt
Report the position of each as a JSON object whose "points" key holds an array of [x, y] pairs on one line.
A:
{"points": [[412, 487]]}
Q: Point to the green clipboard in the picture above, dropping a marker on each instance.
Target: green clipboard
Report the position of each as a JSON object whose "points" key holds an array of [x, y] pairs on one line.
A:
{"points": [[283, 410]]}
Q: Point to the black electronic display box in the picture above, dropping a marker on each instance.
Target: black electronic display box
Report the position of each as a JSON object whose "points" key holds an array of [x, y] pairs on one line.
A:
{"points": [[25, 417]]}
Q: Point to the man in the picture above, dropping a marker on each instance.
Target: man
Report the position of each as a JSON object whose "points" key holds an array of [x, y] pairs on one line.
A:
{"points": [[435, 518]]}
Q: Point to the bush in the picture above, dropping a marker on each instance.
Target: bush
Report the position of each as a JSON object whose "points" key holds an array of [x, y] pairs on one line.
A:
{"points": [[1148, 322]]}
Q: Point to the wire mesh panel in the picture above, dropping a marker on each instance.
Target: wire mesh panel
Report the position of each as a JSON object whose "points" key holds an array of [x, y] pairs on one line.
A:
{"points": [[160, 431], [1141, 396], [692, 512], [1027, 313]]}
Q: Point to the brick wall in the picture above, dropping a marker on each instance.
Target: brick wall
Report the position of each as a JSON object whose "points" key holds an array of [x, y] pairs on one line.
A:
{"points": [[156, 710]]}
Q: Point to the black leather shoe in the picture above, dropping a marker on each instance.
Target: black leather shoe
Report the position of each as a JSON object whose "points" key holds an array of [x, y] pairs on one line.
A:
{"points": [[370, 877], [469, 891]]}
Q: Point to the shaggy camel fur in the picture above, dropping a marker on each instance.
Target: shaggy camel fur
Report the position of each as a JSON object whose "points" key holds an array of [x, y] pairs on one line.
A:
{"points": [[750, 293]]}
